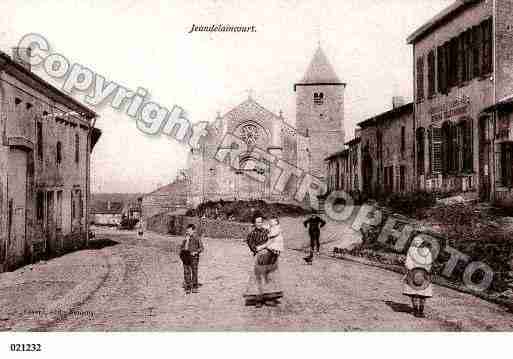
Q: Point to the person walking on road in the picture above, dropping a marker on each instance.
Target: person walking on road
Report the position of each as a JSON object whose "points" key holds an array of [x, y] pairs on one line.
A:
{"points": [[190, 250], [314, 224]]}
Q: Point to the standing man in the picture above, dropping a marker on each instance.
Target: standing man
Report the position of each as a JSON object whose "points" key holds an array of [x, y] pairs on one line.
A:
{"points": [[314, 224], [190, 251]]}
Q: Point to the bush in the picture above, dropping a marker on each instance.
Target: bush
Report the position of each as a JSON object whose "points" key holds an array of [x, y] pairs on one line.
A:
{"points": [[243, 211], [409, 203]]}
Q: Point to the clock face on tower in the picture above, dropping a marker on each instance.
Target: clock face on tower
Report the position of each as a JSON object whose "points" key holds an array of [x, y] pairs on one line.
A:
{"points": [[250, 134]]}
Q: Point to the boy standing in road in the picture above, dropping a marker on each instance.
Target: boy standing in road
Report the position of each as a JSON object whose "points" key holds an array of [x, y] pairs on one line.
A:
{"points": [[190, 251], [314, 224]]}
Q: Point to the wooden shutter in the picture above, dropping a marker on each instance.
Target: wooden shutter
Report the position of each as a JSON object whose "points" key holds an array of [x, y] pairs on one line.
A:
{"points": [[486, 27], [431, 73], [467, 146], [477, 45], [420, 79], [436, 149], [440, 55]]}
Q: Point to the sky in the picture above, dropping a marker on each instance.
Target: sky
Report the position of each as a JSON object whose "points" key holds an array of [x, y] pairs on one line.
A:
{"points": [[138, 43]]}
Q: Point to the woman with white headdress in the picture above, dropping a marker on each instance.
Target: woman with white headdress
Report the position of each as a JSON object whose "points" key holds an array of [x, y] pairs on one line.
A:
{"points": [[417, 281]]}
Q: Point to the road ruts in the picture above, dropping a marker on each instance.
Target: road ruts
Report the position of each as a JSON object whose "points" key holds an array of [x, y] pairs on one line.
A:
{"points": [[144, 293]]}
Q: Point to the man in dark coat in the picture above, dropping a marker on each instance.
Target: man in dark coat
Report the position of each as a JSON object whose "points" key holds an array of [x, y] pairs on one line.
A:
{"points": [[314, 224], [190, 250]]}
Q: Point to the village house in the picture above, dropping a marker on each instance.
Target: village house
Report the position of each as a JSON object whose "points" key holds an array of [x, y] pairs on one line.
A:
{"points": [[499, 141], [337, 171], [344, 170], [462, 67], [165, 199], [106, 213], [46, 138], [387, 151]]}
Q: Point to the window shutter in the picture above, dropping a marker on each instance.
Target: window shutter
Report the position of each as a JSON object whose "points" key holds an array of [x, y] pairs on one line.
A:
{"points": [[487, 47], [467, 146], [420, 79], [436, 149], [455, 148], [476, 58], [431, 73], [440, 54]]}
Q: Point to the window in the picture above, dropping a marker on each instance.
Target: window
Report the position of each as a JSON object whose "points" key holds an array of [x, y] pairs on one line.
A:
{"points": [[39, 129], [420, 151], [403, 140], [40, 210], [420, 79], [486, 28], [431, 73], [59, 153], [318, 98], [77, 148]]}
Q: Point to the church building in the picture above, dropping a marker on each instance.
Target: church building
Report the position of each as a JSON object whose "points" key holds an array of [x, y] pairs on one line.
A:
{"points": [[319, 132]]}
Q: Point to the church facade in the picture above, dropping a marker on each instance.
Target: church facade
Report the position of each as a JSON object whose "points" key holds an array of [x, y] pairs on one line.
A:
{"points": [[245, 172]]}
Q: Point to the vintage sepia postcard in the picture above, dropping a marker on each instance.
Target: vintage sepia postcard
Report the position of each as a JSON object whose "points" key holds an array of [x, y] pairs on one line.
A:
{"points": [[237, 166]]}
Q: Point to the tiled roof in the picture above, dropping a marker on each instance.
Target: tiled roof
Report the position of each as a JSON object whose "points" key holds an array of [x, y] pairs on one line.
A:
{"points": [[387, 115], [102, 207], [440, 18]]}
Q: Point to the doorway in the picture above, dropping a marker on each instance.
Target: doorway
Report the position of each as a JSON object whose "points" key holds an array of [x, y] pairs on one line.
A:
{"points": [[484, 160], [17, 199]]}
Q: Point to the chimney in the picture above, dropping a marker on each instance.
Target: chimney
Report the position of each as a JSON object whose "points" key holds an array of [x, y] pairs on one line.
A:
{"points": [[397, 101], [21, 55]]}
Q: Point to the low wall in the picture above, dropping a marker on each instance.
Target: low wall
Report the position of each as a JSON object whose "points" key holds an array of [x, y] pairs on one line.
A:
{"points": [[176, 225]]}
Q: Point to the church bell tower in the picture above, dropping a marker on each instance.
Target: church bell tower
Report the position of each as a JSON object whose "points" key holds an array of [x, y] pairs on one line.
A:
{"points": [[319, 114]]}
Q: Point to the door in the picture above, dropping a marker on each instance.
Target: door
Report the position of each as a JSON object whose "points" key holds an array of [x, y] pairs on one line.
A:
{"points": [[484, 160], [50, 223], [17, 196]]}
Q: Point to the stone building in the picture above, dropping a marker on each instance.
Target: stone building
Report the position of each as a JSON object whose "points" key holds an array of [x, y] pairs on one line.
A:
{"points": [[106, 213], [462, 67], [168, 198], [387, 151], [338, 171], [498, 139], [319, 131], [46, 138]]}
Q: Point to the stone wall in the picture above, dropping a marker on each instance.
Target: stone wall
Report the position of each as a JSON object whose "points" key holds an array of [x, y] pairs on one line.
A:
{"points": [[176, 225]]}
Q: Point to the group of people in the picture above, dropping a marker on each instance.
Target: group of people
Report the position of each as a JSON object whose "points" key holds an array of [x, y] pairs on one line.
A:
{"points": [[266, 244]]}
